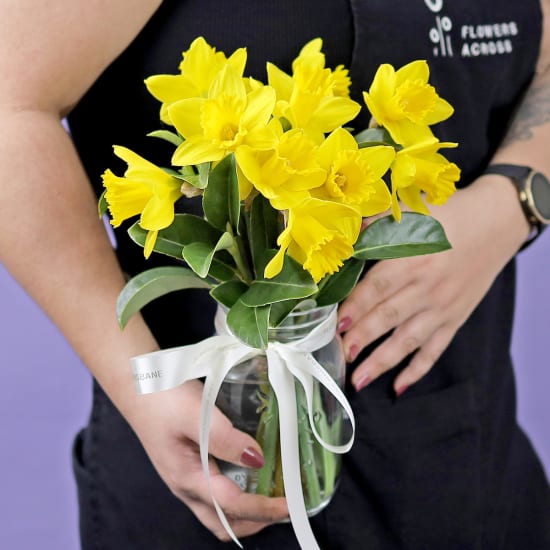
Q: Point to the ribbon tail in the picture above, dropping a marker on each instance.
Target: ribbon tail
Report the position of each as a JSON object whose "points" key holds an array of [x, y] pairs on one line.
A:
{"points": [[282, 382], [212, 386], [306, 369]]}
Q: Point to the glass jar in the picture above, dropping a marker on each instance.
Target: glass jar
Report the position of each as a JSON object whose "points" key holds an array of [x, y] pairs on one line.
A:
{"points": [[248, 400]]}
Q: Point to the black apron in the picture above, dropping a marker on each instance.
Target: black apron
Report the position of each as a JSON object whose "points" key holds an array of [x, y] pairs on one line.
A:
{"points": [[443, 467]]}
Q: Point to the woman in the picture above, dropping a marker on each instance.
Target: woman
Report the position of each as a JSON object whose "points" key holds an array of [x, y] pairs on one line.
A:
{"points": [[443, 465]]}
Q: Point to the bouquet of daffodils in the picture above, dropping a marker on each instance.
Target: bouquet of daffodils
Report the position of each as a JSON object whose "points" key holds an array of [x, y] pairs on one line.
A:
{"points": [[285, 186]]}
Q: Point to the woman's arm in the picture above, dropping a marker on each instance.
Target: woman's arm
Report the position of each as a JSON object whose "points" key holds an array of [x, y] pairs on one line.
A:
{"points": [[53, 243], [426, 299]]}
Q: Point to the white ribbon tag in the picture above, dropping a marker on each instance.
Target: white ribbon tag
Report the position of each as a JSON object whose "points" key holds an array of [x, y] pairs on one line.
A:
{"points": [[213, 358]]}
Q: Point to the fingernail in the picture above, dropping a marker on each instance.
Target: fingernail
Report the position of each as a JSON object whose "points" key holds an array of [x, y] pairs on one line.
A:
{"points": [[400, 391], [362, 382], [353, 352], [251, 457], [344, 324]]}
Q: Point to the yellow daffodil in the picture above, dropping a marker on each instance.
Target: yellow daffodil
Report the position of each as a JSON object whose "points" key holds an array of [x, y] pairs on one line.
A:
{"points": [[314, 97], [421, 169], [310, 73], [145, 189], [200, 65], [229, 117], [284, 174], [354, 176], [320, 235], [404, 103]]}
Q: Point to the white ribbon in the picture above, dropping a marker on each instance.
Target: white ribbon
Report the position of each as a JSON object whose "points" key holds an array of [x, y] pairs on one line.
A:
{"points": [[213, 358]]}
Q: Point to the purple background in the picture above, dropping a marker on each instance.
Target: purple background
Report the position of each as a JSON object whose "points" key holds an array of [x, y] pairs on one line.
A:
{"points": [[46, 399]]}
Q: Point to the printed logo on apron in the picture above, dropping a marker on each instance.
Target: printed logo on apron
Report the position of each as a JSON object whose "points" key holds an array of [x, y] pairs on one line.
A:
{"points": [[473, 39]]}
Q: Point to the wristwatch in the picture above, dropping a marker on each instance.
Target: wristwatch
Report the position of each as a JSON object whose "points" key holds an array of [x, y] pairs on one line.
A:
{"points": [[533, 192]]}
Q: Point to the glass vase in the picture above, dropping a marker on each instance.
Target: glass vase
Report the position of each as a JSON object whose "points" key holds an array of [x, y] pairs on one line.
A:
{"points": [[248, 400]]}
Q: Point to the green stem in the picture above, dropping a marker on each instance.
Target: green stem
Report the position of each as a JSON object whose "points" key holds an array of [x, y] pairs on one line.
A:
{"points": [[278, 482], [327, 457], [236, 254], [268, 438], [310, 479]]}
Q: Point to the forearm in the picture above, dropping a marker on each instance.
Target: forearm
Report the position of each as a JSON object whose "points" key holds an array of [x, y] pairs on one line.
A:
{"points": [[54, 244], [526, 142]]}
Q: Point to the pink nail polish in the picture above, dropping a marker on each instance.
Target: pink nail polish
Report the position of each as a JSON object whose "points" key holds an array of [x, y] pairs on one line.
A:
{"points": [[344, 324], [400, 391], [353, 352], [251, 457], [362, 382]]}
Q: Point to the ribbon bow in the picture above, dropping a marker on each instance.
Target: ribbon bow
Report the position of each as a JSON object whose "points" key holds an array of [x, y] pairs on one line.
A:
{"points": [[213, 358]]}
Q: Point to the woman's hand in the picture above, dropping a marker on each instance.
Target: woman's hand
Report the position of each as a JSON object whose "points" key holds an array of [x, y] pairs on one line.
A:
{"points": [[425, 299], [167, 425]]}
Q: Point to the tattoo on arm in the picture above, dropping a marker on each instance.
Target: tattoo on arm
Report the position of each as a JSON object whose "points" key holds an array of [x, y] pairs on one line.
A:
{"points": [[534, 111]]}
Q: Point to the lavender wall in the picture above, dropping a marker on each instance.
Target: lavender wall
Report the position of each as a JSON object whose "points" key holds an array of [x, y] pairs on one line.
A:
{"points": [[45, 400]]}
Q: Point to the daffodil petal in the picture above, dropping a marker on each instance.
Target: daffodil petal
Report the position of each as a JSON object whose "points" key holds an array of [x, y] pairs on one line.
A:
{"points": [[150, 241], [411, 197], [395, 207], [186, 116], [157, 214], [125, 199], [228, 83], [415, 70], [237, 60], [338, 140], [275, 265], [335, 111], [406, 132], [280, 81], [383, 84], [170, 88], [379, 201], [260, 106], [248, 163], [197, 150], [442, 110], [379, 158]]}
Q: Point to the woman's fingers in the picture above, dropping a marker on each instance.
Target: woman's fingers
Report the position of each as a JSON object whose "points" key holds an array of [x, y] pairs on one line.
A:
{"points": [[379, 283], [225, 442], [424, 359], [407, 338], [381, 319], [169, 427], [247, 513]]}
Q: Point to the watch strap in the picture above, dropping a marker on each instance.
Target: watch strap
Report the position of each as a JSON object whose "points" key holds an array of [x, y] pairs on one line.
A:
{"points": [[518, 174]]}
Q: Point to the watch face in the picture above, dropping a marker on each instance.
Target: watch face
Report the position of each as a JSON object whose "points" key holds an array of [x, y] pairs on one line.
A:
{"points": [[540, 190]]}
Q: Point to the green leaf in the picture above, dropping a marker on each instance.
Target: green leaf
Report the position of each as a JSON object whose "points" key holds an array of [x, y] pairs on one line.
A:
{"points": [[223, 267], [229, 292], [151, 284], [204, 173], [221, 201], [185, 229], [292, 282], [249, 324], [338, 285], [414, 235], [280, 310], [102, 205], [199, 255], [171, 137], [263, 230], [375, 136]]}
